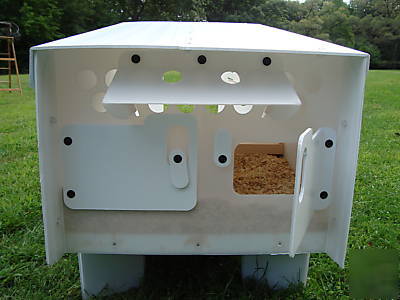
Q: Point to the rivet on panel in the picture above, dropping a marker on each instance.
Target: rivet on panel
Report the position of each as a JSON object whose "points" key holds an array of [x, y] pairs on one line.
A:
{"points": [[67, 141], [135, 59], [202, 59], [328, 143], [70, 194], [323, 195], [267, 61]]}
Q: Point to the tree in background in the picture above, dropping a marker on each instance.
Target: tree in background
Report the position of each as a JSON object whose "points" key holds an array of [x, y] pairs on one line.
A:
{"points": [[372, 26]]}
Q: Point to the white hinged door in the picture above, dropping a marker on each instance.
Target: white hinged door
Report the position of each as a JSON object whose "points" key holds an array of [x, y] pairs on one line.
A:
{"points": [[314, 174]]}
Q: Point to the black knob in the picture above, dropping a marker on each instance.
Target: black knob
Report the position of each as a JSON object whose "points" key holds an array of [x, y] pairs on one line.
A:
{"points": [[135, 59], [70, 194], [328, 143], [178, 158], [202, 59], [267, 61], [222, 159], [67, 141], [323, 195]]}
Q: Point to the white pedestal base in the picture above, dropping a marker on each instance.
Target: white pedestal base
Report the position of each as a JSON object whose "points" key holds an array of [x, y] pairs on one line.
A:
{"points": [[107, 274], [277, 270]]}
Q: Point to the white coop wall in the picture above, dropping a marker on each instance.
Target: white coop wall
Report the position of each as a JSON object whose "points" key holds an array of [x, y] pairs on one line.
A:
{"points": [[69, 81]]}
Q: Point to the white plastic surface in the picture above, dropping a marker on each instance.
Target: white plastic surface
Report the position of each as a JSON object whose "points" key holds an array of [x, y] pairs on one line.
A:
{"points": [[278, 271], [201, 84], [222, 146], [199, 35], [330, 87], [314, 168], [178, 169], [127, 167], [106, 274], [196, 36]]}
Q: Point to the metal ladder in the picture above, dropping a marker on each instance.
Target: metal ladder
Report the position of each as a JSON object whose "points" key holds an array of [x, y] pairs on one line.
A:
{"points": [[9, 57]]}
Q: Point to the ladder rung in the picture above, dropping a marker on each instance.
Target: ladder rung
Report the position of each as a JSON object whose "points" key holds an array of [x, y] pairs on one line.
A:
{"points": [[7, 59], [16, 89], [3, 81], [3, 68], [5, 53]]}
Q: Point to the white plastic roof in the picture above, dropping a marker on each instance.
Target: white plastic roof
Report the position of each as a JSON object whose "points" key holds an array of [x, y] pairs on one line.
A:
{"points": [[203, 36], [199, 36]]}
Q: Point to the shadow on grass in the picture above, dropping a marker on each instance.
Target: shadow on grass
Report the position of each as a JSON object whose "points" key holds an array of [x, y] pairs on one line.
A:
{"points": [[201, 277]]}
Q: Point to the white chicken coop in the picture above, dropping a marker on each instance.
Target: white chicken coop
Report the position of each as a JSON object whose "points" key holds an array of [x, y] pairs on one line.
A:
{"points": [[176, 138]]}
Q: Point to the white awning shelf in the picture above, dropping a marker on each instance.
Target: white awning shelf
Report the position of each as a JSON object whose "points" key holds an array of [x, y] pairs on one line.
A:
{"points": [[254, 83]]}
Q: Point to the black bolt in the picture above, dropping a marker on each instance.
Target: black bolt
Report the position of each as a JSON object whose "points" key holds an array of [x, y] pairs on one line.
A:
{"points": [[222, 159], [267, 61], [135, 59], [323, 195], [202, 59], [67, 141], [70, 194], [178, 158], [328, 143]]}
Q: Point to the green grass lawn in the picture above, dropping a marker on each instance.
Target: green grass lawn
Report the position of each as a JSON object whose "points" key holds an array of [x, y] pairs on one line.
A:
{"points": [[25, 275]]}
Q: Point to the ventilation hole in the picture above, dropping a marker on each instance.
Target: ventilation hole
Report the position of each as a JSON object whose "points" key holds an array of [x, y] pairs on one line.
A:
{"points": [[135, 59], [222, 159], [186, 108], [156, 108], [97, 103], [323, 195], [67, 141], [328, 143], [70, 194], [202, 59], [110, 76], [267, 61], [230, 77], [177, 158], [172, 76], [243, 109], [215, 109], [86, 79]]}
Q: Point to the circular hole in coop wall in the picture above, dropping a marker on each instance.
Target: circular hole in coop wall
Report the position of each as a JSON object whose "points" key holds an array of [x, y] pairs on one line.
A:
{"points": [[86, 79], [97, 102], [110, 76], [215, 109], [172, 76], [230, 77], [243, 109], [156, 108]]}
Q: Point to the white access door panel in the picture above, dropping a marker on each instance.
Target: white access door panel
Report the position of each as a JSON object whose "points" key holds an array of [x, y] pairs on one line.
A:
{"points": [[129, 167], [315, 164]]}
